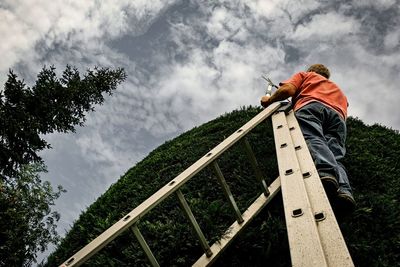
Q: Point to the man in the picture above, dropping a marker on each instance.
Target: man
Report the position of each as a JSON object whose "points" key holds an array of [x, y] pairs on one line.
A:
{"points": [[321, 110]]}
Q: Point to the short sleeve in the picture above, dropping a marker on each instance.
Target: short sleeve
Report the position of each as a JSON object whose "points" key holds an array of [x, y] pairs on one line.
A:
{"points": [[295, 80]]}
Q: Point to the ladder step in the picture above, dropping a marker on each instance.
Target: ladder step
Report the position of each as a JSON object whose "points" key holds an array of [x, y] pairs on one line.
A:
{"points": [[145, 247], [254, 165], [227, 191], [236, 228], [196, 227]]}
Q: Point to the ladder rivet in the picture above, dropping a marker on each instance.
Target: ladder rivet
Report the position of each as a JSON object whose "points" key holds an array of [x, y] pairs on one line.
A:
{"points": [[288, 172], [297, 213], [283, 145], [306, 174], [297, 147]]}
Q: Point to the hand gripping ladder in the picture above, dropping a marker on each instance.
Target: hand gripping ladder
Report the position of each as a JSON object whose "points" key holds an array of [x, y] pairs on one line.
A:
{"points": [[314, 235]]}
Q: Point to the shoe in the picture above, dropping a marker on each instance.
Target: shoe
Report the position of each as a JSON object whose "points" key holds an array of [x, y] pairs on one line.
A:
{"points": [[345, 202], [330, 185]]}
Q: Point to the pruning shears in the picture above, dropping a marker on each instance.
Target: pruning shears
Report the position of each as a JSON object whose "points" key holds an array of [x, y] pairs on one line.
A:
{"points": [[270, 85]]}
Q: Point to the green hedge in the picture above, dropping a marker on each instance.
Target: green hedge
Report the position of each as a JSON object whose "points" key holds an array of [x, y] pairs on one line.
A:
{"points": [[372, 232]]}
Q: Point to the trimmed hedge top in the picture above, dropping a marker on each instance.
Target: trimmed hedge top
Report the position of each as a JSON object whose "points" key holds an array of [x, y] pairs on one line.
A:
{"points": [[372, 232]]}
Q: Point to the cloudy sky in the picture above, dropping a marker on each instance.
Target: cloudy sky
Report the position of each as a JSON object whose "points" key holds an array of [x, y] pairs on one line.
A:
{"points": [[188, 62]]}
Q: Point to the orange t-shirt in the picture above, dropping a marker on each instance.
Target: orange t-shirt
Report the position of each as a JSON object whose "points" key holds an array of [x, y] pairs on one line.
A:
{"points": [[314, 87]]}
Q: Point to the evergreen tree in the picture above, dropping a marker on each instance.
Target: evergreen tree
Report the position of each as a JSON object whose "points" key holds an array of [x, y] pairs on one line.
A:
{"points": [[51, 105], [26, 114]]}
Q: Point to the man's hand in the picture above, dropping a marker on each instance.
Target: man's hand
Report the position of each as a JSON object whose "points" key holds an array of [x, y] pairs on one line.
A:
{"points": [[265, 101], [283, 92]]}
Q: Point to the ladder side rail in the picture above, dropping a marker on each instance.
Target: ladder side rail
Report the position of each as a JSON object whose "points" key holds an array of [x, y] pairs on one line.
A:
{"points": [[233, 231], [335, 249], [304, 243], [133, 216]]}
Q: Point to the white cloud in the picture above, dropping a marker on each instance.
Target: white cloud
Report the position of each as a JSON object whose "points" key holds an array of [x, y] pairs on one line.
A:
{"points": [[85, 24], [222, 24], [326, 27], [392, 39], [380, 5]]}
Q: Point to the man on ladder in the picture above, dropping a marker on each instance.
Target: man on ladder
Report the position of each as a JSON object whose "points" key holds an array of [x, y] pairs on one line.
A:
{"points": [[321, 110]]}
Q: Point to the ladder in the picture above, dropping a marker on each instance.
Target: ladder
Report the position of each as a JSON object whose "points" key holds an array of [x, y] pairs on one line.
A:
{"points": [[314, 235]]}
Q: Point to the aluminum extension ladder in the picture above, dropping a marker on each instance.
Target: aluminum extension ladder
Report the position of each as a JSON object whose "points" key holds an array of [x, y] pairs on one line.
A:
{"points": [[314, 235]]}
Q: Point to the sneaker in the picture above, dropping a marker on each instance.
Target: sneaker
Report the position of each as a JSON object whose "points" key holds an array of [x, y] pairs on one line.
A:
{"points": [[330, 185], [345, 202]]}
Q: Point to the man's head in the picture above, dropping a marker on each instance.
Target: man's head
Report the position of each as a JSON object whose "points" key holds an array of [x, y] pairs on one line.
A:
{"points": [[320, 69]]}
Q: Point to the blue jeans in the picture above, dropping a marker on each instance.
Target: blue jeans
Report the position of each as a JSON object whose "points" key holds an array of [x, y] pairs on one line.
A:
{"points": [[325, 133]]}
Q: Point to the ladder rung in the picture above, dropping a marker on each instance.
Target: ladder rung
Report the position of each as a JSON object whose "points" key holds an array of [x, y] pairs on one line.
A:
{"points": [[195, 225], [218, 247], [254, 165], [144, 246], [227, 191]]}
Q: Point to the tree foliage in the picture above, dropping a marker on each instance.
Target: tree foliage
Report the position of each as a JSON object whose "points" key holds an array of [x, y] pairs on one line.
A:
{"points": [[27, 114], [27, 222], [52, 105], [372, 232]]}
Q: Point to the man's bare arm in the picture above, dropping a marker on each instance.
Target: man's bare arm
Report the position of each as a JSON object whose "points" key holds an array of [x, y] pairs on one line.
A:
{"points": [[285, 91]]}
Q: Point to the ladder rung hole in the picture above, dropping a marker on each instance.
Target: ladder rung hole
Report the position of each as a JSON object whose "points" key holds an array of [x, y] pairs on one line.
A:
{"points": [[71, 260], [171, 183], [283, 145], [127, 217], [288, 172], [209, 154], [292, 128], [320, 216], [297, 147], [279, 126], [239, 131], [306, 174], [297, 212]]}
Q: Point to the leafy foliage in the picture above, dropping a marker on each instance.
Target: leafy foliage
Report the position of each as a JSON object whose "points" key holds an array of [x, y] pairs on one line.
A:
{"points": [[27, 223], [26, 114], [52, 104], [372, 232]]}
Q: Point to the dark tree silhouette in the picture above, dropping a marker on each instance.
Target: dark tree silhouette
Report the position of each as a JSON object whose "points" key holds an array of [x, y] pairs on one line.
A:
{"points": [[51, 105]]}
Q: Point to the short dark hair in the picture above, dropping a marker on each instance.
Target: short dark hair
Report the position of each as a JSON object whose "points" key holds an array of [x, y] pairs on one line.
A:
{"points": [[320, 69]]}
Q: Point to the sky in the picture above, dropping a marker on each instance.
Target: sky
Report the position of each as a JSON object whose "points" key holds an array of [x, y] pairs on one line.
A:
{"points": [[187, 63]]}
